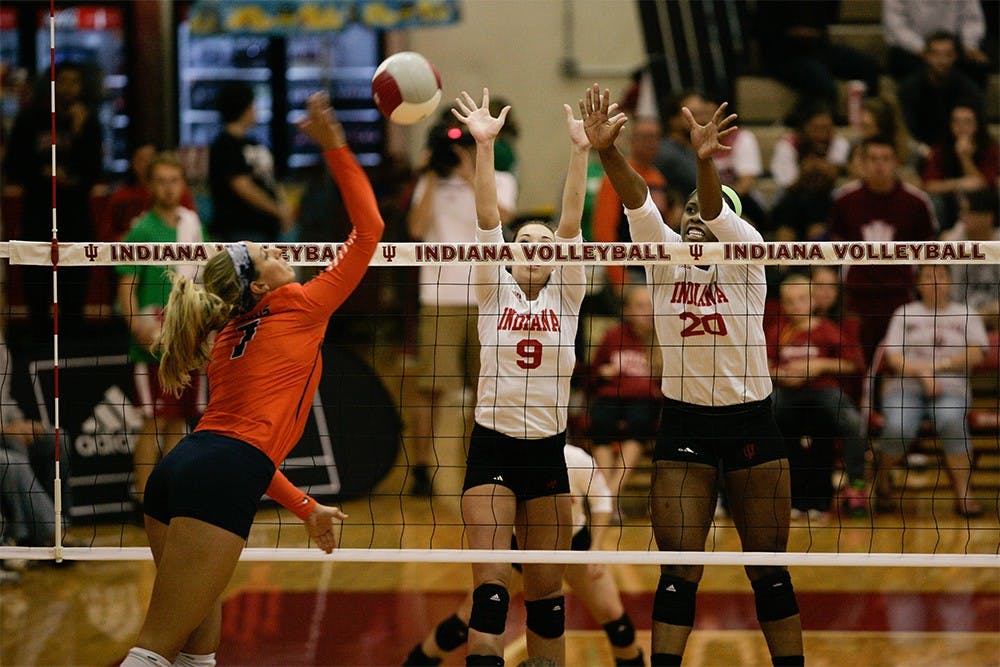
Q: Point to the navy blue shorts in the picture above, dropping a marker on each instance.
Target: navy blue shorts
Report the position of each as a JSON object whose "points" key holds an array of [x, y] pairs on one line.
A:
{"points": [[617, 419], [737, 436], [529, 468], [211, 478]]}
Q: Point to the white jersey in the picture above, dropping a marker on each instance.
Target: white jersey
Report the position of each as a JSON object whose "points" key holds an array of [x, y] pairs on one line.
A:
{"points": [[453, 221], [527, 349], [920, 334], [709, 322], [586, 482]]}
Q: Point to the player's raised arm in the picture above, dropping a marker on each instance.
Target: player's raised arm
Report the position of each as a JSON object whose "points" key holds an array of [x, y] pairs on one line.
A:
{"points": [[706, 140], [575, 189], [603, 123], [347, 269], [484, 128]]}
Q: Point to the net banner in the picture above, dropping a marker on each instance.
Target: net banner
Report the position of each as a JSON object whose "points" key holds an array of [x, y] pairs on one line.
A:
{"points": [[416, 254]]}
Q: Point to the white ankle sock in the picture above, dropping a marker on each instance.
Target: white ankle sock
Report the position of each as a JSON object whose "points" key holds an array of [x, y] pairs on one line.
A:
{"points": [[192, 660], [142, 657]]}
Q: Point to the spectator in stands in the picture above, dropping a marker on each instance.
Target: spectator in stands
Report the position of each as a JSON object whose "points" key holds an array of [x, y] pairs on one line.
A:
{"points": [[79, 167], [505, 156], [796, 49], [809, 355], [676, 158], [447, 341], [929, 349], [882, 117], [609, 221], [977, 284], [906, 23], [928, 95], [247, 203], [967, 159], [805, 165], [27, 469], [739, 168], [625, 393], [879, 207], [134, 197], [142, 295]]}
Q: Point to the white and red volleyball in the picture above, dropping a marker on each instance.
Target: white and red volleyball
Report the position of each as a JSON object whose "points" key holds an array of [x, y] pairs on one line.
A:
{"points": [[406, 87]]}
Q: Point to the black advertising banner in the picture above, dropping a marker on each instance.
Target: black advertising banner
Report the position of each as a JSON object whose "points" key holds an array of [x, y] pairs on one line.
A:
{"points": [[350, 442]]}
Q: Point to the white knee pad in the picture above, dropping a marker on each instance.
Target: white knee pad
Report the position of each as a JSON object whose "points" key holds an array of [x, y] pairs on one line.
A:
{"points": [[192, 660], [140, 657]]}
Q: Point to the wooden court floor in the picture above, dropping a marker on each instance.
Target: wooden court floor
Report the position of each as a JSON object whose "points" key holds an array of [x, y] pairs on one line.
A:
{"points": [[326, 613]]}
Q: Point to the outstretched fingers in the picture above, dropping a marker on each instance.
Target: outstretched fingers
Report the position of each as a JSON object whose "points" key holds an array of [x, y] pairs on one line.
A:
{"points": [[689, 117]]}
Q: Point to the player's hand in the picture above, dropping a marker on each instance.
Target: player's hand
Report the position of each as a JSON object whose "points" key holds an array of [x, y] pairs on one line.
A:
{"points": [[706, 139], [320, 123], [577, 134], [482, 125], [602, 121], [323, 526], [929, 386], [793, 373]]}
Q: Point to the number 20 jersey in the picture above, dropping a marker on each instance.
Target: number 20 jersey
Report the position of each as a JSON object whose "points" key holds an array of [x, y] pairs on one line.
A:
{"points": [[709, 321], [527, 352]]}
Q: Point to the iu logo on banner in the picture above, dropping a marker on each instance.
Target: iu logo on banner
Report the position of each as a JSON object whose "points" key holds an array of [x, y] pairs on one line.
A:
{"points": [[697, 250]]}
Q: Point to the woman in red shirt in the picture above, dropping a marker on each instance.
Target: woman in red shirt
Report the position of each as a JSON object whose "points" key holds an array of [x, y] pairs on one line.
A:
{"points": [[263, 369]]}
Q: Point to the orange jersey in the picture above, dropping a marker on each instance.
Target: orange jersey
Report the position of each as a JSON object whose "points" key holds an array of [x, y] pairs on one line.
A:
{"points": [[267, 363]]}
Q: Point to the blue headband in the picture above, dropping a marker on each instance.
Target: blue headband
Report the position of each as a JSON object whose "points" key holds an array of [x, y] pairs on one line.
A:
{"points": [[240, 256]]}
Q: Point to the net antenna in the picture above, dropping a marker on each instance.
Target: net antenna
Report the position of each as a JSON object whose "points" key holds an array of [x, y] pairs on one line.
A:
{"points": [[57, 500]]}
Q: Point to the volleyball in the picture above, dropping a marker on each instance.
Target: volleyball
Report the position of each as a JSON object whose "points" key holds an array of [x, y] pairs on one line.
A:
{"points": [[406, 87]]}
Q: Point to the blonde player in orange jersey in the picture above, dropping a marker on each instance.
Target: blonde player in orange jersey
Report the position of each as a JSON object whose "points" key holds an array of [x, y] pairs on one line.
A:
{"points": [[263, 369]]}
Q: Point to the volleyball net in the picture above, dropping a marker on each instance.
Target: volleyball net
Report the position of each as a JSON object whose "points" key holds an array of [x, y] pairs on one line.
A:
{"points": [[388, 411]]}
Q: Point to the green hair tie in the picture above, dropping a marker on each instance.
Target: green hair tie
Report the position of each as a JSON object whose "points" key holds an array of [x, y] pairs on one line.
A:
{"points": [[734, 199]]}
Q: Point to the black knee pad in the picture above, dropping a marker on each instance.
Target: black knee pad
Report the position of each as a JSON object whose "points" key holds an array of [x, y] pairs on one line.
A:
{"points": [[774, 597], [418, 658], [620, 632], [451, 633], [674, 601], [489, 609], [487, 660], [546, 618]]}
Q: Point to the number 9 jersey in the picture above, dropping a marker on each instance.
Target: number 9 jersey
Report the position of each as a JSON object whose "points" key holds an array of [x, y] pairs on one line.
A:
{"points": [[527, 348]]}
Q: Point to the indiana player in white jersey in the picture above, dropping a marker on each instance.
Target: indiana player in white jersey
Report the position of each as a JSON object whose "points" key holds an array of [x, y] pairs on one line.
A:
{"points": [[592, 584], [717, 412], [515, 471]]}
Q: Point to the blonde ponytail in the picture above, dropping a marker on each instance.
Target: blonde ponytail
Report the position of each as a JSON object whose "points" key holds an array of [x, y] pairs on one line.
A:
{"points": [[191, 314]]}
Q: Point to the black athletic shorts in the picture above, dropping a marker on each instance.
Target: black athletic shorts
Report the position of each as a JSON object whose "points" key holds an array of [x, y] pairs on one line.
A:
{"points": [[618, 419], [529, 468], [211, 478], [737, 436]]}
